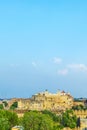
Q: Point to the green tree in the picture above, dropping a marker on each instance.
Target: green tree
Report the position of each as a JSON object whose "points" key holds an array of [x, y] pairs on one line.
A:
{"points": [[10, 117], [79, 107], [14, 106], [1, 106], [56, 118], [4, 124], [52, 115], [37, 121], [69, 119], [57, 127]]}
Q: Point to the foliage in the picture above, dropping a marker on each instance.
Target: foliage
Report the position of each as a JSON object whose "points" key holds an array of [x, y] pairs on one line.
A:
{"points": [[37, 121], [4, 124], [57, 127], [20, 121], [8, 119], [1, 106], [52, 115], [78, 99], [5, 103], [34, 120], [79, 107], [69, 119], [14, 106], [12, 118], [47, 120]]}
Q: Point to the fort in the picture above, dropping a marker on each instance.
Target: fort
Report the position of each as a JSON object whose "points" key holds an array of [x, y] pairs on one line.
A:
{"points": [[55, 102]]}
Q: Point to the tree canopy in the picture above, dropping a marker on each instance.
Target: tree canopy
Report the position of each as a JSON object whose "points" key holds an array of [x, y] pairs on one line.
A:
{"points": [[7, 119], [37, 121], [69, 119], [34, 120]]}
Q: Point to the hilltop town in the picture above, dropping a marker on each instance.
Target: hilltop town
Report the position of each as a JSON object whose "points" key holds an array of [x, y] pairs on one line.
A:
{"points": [[56, 102], [59, 101]]}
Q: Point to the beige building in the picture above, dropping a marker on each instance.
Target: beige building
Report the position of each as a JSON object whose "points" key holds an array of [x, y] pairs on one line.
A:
{"points": [[45, 100], [77, 103], [17, 128]]}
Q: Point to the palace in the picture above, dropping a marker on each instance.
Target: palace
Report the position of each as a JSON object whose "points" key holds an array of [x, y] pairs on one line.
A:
{"points": [[45, 100]]}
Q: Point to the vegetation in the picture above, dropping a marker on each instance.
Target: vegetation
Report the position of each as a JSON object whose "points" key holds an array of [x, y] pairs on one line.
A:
{"points": [[1, 106], [7, 119], [54, 117], [4, 124], [5, 103], [47, 120], [34, 120], [78, 99], [69, 119], [79, 107], [14, 106]]}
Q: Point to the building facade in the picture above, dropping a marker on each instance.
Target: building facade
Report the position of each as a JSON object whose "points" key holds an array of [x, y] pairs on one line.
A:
{"points": [[45, 100]]}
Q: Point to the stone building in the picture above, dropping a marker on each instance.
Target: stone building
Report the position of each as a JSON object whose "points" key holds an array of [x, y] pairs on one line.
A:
{"points": [[45, 100]]}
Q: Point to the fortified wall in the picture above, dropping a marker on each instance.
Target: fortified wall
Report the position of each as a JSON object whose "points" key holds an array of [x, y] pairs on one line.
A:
{"points": [[81, 113], [45, 100]]}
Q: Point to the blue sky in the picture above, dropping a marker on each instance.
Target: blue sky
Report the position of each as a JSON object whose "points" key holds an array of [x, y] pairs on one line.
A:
{"points": [[43, 45]]}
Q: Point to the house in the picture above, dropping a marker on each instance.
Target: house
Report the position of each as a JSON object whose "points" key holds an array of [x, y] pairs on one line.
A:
{"points": [[17, 128]]}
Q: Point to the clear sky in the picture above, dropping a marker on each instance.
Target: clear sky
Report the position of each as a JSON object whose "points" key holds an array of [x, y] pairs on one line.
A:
{"points": [[43, 45]]}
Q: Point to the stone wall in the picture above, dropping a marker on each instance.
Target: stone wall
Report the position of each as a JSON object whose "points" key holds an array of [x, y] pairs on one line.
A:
{"points": [[46, 100], [81, 113]]}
